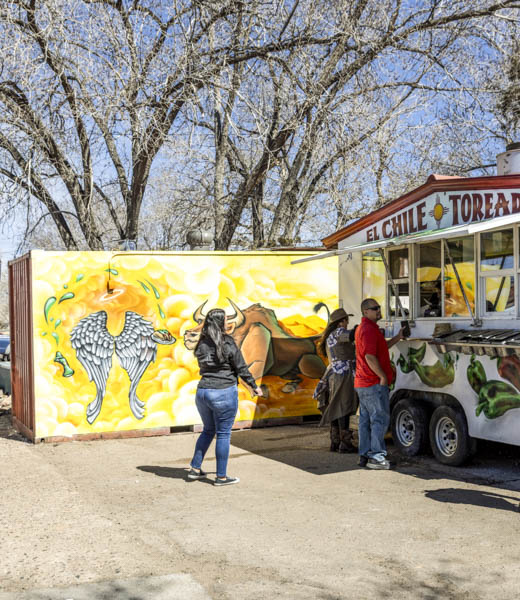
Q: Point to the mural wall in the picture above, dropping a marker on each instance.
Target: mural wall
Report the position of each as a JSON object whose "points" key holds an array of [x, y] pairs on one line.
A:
{"points": [[114, 333]]}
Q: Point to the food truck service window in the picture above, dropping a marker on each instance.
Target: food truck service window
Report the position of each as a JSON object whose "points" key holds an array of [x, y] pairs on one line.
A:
{"points": [[429, 279], [497, 272], [437, 291], [398, 263], [374, 278], [462, 252]]}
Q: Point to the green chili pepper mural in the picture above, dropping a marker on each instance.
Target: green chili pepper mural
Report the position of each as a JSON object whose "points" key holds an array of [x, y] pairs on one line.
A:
{"points": [[438, 375], [404, 365], [417, 354], [496, 398], [476, 374]]}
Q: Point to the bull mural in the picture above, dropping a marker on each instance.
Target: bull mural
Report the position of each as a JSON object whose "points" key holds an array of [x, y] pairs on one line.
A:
{"points": [[268, 348]]}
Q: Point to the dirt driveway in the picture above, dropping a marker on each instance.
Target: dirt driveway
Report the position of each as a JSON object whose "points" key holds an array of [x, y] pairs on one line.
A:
{"points": [[302, 524]]}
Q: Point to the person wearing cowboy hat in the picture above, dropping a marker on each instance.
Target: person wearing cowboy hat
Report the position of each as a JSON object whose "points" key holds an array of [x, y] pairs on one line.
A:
{"points": [[336, 342]]}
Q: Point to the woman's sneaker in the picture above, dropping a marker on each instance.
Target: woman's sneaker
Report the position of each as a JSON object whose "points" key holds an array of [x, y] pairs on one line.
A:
{"points": [[193, 474], [226, 481]]}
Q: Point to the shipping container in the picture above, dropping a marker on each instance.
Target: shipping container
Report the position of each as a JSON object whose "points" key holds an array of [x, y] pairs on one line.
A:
{"points": [[102, 342]]}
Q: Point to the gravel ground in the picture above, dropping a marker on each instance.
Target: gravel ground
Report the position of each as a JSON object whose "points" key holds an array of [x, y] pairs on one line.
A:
{"points": [[302, 524]]}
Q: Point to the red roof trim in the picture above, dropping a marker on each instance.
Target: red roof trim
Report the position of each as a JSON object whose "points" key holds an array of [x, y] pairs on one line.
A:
{"points": [[434, 183]]}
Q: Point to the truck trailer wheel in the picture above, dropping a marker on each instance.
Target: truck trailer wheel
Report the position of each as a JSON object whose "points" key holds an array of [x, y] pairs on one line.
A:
{"points": [[409, 426], [449, 437]]}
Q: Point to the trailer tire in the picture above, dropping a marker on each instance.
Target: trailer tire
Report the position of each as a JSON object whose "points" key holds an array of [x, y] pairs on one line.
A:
{"points": [[409, 425], [449, 438]]}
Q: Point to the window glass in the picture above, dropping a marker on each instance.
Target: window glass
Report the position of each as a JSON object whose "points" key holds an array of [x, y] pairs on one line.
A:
{"points": [[429, 279], [462, 253], [398, 263], [404, 297], [500, 294], [496, 250], [374, 276]]}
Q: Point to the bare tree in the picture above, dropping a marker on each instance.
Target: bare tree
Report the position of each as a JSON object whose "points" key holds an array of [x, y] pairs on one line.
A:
{"points": [[355, 102], [91, 89], [290, 114]]}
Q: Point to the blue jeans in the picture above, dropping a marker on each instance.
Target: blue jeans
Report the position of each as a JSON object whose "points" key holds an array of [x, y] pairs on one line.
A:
{"points": [[218, 409], [374, 418]]}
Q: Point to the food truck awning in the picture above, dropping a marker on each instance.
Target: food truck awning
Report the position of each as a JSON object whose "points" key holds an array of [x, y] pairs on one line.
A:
{"points": [[433, 234], [494, 223]]}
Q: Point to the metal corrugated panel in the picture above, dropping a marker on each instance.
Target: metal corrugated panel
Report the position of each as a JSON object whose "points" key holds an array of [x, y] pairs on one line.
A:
{"points": [[21, 332]]}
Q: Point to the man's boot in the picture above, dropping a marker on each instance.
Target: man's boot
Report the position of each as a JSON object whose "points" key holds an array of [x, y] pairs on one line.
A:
{"points": [[346, 446], [335, 438]]}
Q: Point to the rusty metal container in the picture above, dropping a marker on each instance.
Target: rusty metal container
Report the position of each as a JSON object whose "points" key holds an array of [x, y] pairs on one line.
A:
{"points": [[21, 331]]}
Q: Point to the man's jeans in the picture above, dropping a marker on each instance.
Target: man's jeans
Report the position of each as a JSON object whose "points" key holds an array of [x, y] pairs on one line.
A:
{"points": [[374, 418], [218, 409]]}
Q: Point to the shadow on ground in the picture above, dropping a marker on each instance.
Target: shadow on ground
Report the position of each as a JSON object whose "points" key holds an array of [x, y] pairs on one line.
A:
{"points": [[482, 498], [173, 473], [429, 581], [173, 587], [306, 447], [7, 431]]}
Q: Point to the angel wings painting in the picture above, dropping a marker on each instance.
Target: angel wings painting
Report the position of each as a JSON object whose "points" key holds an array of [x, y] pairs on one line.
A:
{"points": [[135, 347]]}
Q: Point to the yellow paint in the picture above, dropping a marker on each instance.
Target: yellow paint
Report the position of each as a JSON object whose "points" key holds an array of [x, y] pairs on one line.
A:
{"points": [[438, 212], [183, 281]]}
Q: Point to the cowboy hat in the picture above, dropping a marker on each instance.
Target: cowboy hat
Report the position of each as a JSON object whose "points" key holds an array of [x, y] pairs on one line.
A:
{"points": [[338, 314]]}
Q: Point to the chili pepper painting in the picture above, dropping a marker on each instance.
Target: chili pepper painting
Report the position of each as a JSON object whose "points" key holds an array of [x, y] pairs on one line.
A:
{"points": [[476, 374], [495, 397], [438, 375], [508, 367]]}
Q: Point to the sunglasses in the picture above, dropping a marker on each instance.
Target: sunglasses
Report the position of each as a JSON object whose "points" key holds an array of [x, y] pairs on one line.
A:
{"points": [[373, 308]]}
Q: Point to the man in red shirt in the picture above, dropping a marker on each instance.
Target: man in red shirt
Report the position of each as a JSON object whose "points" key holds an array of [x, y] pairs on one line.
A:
{"points": [[373, 376]]}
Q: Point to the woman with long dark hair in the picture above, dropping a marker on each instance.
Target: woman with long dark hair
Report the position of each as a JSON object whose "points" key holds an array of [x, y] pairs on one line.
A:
{"points": [[220, 363], [337, 343]]}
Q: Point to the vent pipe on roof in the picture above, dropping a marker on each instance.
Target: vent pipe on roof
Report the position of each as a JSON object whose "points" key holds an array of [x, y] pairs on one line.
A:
{"points": [[508, 163], [199, 239]]}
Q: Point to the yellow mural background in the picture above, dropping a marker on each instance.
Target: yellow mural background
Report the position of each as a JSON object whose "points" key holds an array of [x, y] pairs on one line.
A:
{"points": [[165, 289]]}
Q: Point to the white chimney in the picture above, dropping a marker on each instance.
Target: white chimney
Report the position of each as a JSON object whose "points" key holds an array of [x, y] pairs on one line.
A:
{"points": [[508, 163]]}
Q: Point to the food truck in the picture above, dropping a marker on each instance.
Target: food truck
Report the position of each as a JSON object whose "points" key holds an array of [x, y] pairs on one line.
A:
{"points": [[446, 258]]}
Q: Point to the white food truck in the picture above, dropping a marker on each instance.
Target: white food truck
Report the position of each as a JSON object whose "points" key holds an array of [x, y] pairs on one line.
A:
{"points": [[446, 258]]}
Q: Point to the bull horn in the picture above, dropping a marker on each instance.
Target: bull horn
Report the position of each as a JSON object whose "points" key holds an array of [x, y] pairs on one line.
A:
{"points": [[238, 318], [198, 315]]}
